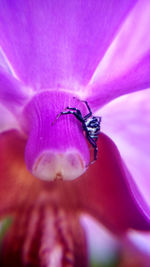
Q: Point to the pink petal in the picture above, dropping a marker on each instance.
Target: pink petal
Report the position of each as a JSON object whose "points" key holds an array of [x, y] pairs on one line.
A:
{"points": [[7, 120], [102, 244], [13, 93], [140, 241], [107, 194], [127, 121], [58, 43], [136, 249], [125, 66]]}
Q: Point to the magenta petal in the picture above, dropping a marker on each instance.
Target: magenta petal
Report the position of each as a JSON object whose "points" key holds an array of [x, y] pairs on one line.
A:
{"points": [[56, 147], [58, 43], [126, 65], [127, 121], [4, 63], [7, 120], [12, 92]]}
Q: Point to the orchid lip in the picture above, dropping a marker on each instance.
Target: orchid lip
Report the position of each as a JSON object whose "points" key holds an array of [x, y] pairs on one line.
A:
{"points": [[56, 148], [53, 166]]}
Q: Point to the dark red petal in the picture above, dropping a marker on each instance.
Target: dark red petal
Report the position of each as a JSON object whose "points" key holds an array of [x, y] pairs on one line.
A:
{"points": [[16, 183], [105, 191], [45, 234]]}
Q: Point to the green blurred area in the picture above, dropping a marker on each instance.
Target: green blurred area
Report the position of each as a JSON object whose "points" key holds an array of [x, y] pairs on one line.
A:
{"points": [[98, 264], [4, 226], [110, 263]]}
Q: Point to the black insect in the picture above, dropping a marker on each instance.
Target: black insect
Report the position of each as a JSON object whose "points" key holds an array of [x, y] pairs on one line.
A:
{"points": [[90, 125]]}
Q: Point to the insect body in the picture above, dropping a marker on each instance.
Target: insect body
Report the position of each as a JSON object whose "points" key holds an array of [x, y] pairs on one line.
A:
{"points": [[90, 125]]}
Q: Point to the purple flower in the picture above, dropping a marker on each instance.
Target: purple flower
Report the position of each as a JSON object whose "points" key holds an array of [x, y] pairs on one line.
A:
{"points": [[54, 54]]}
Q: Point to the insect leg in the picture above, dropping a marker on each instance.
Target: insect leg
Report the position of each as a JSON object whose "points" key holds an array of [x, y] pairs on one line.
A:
{"points": [[93, 143], [77, 114], [62, 113], [77, 110], [90, 112], [65, 113], [72, 108], [99, 118]]}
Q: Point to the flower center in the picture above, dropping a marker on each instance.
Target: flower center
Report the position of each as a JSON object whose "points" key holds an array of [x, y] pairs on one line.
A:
{"points": [[56, 147]]}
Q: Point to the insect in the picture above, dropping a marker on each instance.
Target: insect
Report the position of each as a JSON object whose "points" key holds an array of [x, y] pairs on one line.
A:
{"points": [[90, 125]]}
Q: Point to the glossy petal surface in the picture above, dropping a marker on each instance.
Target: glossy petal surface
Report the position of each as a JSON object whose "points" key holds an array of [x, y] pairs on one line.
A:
{"points": [[58, 44]]}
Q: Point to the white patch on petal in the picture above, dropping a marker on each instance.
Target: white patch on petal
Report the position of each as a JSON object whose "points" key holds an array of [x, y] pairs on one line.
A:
{"points": [[52, 165]]}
